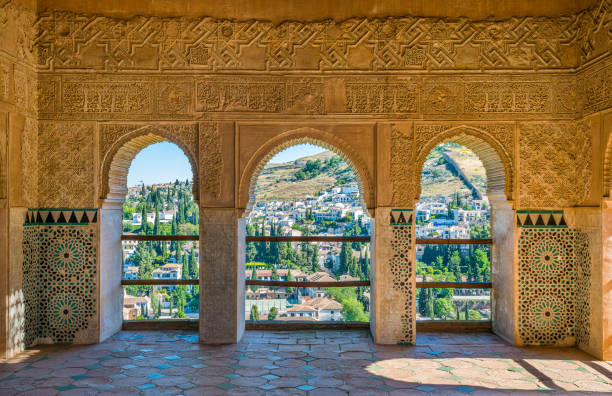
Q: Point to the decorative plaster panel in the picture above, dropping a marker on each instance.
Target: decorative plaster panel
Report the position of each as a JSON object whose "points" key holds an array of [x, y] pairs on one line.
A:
{"points": [[402, 167], [555, 164], [66, 164], [211, 159], [596, 88], [143, 97], [75, 41], [29, 162]]}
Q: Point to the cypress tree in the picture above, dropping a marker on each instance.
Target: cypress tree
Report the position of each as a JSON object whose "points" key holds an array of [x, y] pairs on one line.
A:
{"points": [[254, 313], [143, 223], [289, 279], [193, 265], [156, 229], [186, 274]]}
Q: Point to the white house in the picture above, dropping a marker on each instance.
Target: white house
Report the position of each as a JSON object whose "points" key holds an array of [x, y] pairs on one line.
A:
{"points": [[167, 271], [350, 189]]}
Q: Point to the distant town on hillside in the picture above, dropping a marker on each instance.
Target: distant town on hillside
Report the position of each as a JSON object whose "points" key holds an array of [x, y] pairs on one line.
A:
{"points": [[314, 195]]}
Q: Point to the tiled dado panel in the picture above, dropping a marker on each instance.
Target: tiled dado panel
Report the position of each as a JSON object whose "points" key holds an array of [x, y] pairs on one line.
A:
{"points": [[60, 275], [402, 268], [554, 273]]}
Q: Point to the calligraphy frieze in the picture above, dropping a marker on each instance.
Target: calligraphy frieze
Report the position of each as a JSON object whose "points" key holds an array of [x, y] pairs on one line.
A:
{"points": [[145, 97]]}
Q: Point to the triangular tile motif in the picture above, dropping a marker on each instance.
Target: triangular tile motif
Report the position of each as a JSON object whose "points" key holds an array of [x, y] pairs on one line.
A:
{"points": [[67, 214], [541, 219], [73, 219], [39, 219], [55, 214], [43, 215], [82, 217], [392, 221], [61, 218], [401, 218], [92, 215], [49, 218]]}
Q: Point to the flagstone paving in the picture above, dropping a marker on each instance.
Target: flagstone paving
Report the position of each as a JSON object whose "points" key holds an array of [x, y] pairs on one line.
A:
{"points": [[302, 363]]}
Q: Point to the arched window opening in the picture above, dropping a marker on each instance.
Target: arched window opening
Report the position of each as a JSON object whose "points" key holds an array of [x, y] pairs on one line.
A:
{"points": [[160, 237], [308, 232], [453, 231]]}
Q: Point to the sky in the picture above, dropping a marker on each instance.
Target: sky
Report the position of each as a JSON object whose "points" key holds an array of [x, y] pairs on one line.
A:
{"points": [[294, 152], [165, 162], [159, 163]]}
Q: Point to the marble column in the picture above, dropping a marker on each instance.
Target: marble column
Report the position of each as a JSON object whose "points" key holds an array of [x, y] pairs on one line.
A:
{"points": [[222, 250]]}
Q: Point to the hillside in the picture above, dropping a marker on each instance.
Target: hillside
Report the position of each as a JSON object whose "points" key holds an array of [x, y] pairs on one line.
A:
{"points": [[439, 177], [279, 181]]}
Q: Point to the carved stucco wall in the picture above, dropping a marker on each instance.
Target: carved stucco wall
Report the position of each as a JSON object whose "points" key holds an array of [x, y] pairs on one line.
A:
{"points": [[101, 82], [555, 160], [107, 44], [18, 160]]}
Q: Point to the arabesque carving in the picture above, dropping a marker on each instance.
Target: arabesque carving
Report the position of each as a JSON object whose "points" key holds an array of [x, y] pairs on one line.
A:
{"points": [[398, 43], [119, 143], [402, 167], [29, 162], [180, 97], [65, 164], [493, 143], [555, 164], [211, 159]]}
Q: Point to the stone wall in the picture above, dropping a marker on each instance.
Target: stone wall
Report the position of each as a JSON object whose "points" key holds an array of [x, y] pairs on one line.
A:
{"points": [[81, 94], [18, 160]]}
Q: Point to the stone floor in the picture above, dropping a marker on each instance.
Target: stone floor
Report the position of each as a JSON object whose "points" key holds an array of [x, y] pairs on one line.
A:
{"points": [[292, 363]]}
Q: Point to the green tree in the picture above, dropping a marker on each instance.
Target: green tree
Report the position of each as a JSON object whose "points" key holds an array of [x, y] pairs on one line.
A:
{"points": [[254, 313], [454, 266], [193, 265], [185, 268], [158, 312], [474, 315], [289, 279], [143, 223], [345, 258], [352, 309], [272, 314], [254, 277], [156, 224], [443, 308]]}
